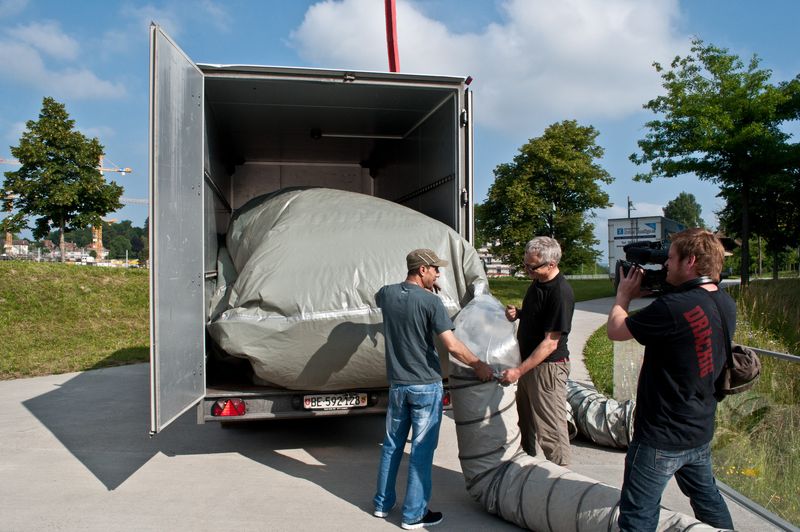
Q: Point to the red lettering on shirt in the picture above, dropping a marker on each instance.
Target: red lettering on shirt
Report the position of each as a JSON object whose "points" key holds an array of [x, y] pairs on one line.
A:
{"points": [[701, 329]]}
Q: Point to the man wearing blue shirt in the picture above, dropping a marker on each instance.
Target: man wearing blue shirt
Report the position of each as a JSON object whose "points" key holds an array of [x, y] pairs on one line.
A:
{"points": [[412, 317]]}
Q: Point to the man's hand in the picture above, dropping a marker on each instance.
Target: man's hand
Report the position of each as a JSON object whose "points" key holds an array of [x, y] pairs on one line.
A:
{"points": [[511, 376], [435, 288], [511, 313], [483, 370], [630, 285]]}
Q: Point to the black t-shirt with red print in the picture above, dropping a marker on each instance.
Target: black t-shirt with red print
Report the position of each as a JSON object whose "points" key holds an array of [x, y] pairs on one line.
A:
{"points": [[684, 353]]}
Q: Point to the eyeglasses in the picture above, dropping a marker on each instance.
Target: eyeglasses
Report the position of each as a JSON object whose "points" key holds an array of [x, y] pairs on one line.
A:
{"points": [[532, 268]]}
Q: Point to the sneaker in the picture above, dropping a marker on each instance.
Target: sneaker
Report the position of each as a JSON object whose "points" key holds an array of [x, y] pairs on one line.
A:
{"points": [[381, 513], [430, 519]]}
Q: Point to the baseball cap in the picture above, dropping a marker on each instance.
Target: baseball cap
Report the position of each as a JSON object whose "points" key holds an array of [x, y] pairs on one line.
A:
{"points": [[424, 257]]}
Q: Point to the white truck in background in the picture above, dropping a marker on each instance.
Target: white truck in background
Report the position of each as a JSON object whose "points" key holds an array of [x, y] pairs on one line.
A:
{"points": [[623, 231], [221, 135]]}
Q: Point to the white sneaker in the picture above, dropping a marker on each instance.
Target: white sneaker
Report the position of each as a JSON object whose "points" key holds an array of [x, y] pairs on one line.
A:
{"points": [[382, 514]]}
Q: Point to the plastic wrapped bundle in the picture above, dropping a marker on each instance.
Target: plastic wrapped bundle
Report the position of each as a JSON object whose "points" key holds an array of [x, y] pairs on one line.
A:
{"points": [[483, 327], [530, 492], [308, 262]]}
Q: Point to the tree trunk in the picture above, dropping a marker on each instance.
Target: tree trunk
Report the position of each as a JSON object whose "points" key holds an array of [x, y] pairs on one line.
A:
{"points": [[775, 267], [61, 244], [745, 266], [760, 263]]}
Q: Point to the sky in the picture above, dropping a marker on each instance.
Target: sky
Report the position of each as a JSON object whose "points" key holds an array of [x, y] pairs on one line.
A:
{"points": [[533, 62]]}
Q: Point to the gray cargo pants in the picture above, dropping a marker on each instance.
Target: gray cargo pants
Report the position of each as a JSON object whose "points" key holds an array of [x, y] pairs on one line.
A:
{"points": [[542, 408]]}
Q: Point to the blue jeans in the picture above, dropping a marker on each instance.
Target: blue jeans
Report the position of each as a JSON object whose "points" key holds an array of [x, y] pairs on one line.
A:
{"points": [[647, 471], [417, 407]]}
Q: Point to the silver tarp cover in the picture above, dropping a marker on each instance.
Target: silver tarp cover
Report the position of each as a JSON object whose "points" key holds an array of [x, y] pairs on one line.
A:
{"points": [[299, 302]]}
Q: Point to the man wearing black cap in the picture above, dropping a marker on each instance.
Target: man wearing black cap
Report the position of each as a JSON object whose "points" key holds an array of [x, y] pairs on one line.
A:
{"points": [[412, 317]]}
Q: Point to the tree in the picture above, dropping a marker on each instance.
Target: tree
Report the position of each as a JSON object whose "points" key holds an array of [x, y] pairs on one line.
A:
{"points": [[684, 209], [775, 215], [58, 180], [481, 237], [118, 247], [721, 122], [547, 190], [80, 237]]}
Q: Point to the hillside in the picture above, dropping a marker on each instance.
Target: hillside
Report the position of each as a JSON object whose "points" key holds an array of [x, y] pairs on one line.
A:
{"points": [[57, 318]]}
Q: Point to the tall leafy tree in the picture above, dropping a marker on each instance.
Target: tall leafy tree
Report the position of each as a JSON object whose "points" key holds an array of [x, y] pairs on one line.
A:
{"points": [[685, 209], [58, 181], [721, 121], [549, 189]]}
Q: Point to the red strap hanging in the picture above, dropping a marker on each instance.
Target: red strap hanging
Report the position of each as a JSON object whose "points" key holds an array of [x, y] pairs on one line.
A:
{"points": [[391, 36]]}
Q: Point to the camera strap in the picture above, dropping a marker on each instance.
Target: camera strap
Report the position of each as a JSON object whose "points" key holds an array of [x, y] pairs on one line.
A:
{"points": [[703, 279]]}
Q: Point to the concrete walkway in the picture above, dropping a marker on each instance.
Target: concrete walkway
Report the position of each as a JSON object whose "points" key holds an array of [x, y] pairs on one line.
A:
{"points": [[76, 456]]}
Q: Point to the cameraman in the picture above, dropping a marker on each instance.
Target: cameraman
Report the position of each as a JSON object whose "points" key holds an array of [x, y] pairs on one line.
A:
{"points": [[675, 406]]}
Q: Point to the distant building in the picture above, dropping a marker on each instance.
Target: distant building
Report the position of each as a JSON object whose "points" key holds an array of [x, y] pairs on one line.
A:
{"points": [[18, 247], [493, 267]]}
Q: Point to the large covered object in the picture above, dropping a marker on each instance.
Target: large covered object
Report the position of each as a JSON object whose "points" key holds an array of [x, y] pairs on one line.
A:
{"points": [[299, 273]]}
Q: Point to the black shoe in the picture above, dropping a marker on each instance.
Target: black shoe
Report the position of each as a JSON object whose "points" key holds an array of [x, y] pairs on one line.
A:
{"points": [[430, 519]]}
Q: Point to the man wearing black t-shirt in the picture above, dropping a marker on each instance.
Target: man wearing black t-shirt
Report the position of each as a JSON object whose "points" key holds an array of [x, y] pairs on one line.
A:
{"points": [[684, 354], [545, 321]]}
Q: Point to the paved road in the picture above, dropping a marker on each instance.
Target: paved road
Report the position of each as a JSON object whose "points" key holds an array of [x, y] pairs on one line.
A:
{"points": [[76, 456]]}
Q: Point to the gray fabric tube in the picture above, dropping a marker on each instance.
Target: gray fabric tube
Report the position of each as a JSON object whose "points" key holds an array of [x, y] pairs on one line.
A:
{"points": [[602, 420], [532, 492]]}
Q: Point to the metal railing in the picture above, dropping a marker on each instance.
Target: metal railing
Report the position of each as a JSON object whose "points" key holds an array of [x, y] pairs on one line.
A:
{"points": [[748, 410]]}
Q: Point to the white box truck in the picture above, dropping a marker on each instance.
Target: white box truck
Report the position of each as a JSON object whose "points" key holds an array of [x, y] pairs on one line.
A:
{"points": [[623, 231], [223, 134]]}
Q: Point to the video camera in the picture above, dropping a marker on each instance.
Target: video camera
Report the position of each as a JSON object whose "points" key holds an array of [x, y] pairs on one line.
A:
{"points": [[639, 254]]}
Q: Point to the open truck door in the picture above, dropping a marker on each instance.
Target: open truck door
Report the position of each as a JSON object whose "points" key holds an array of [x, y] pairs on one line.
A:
{"points": [[177, 316]]}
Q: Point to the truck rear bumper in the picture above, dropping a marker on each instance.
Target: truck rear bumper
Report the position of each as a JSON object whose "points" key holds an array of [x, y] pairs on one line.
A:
{"points": [[281, 404]]}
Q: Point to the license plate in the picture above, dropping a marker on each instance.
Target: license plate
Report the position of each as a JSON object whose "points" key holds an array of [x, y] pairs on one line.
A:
{"points": [[334, 401]]}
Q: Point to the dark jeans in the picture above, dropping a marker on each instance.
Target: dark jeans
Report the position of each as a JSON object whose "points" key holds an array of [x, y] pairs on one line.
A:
{"points": [[647, 471]]}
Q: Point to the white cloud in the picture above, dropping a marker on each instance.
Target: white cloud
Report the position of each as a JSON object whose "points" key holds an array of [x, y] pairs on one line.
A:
{"points": [[101, 132], [9, 8], [141, 17], [13, 135], [217, 15], [24, 65], [48, 38], [638, 210], [545, 60]]}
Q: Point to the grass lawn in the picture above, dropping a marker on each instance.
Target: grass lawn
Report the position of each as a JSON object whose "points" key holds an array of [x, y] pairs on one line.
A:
{"points": [[511, 291], [57, 318]]}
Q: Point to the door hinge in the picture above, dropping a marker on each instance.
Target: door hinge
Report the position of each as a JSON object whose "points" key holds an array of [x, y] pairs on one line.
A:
{"points": [[464, 118], [464, 197]]}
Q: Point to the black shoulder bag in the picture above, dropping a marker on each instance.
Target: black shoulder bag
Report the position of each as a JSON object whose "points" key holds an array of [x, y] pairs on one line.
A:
{"points": [[742, 366]]}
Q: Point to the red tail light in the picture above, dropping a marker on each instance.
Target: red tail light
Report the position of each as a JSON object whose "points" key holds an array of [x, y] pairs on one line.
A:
{"points": [[446, 399], [229, 407]]}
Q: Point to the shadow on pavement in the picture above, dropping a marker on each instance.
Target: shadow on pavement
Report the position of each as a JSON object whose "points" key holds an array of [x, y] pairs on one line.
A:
{"points": [[102, 418]]}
